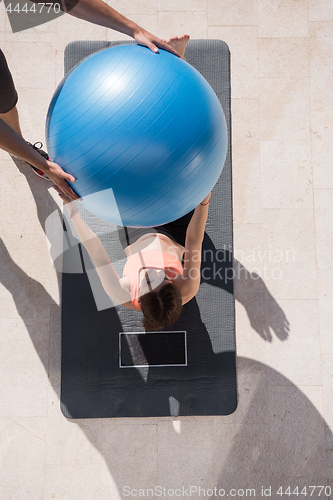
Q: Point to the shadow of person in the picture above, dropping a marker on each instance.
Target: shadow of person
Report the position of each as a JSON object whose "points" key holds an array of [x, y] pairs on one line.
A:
{"points": [[221, 270], [260, 414], [280, 438], [217, 264], [275, 438]]}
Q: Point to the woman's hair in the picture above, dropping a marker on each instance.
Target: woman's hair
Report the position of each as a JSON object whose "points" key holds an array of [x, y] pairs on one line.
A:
{"points": [[161, 308]]}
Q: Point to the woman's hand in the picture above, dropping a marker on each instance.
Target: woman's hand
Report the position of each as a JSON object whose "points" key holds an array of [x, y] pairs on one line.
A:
{"points": [[70, 204]]}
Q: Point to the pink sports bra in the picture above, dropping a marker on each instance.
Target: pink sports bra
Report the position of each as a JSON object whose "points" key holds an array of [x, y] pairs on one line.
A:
{"points": [[150, 259]]}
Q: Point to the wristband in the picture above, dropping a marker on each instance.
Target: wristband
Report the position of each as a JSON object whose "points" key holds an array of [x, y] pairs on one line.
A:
{"points": [[204, 204]]}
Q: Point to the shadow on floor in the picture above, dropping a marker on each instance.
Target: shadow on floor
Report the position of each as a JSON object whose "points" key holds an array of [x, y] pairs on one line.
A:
{"points": [[275, 432]]}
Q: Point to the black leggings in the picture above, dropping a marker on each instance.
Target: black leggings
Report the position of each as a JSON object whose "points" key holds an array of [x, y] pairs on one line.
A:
{"points": [[176, 230], [8, 94]]}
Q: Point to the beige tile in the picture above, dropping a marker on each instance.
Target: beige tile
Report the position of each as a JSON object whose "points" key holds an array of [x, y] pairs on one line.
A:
{"points": [[20, 254], [44, 33], [70, 28], [322, 151], [283, 57], [254, 323], [59, 66], [286, 174], [246, 184], [130, 453], [55, 287], [325, 299], [241, 456], [323, 199], [24, 200], [23, 56], [147, 21], [283, 18], [327, 360], [73, 481], [251, 330], [289, 254], [284, 109], [296, 434], [186, 5], [296, 359], [116, 36], [71, 442], [248, 252], [109, 488], [245, 122], [23, 281], [24, 358], [320, 10], [54, 366], [245, 161], [3, 16], [321, 81], [3, 156], [186, 454], [33, 107], [129, 9], [192, 22], [271, 324], [22, 457], [252, 389], [242, 42], [56, 243], [231, 13]]}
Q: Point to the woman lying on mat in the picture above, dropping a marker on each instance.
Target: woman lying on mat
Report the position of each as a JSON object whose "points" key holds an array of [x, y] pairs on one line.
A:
{"points": [[154, 280]]}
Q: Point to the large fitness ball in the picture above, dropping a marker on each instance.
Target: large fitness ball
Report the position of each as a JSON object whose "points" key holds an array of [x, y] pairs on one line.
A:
{"points": [[143, 134]]}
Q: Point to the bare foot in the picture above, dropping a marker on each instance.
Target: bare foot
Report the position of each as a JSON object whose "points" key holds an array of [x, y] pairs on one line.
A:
{"points": [[179, 44]]}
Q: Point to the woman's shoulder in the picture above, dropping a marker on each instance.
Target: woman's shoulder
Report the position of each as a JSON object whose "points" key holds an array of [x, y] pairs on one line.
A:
{"points": [[126, 286]]}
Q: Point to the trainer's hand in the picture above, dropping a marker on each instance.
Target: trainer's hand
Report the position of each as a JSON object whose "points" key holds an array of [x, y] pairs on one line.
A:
{"points": [[145, 38], [61, 179]]}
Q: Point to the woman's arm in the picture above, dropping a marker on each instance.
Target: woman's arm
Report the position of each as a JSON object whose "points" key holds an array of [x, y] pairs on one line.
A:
{"points": [[189, 281], [105, 270]]}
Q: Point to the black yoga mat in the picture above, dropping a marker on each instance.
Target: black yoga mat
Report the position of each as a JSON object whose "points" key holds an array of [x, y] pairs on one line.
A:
{"points": [[109, 366]]}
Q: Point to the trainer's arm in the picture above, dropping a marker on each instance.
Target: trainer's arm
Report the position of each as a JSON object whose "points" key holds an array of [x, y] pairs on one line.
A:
{"points": [[14, 144], [99, 12], [189, 281]]}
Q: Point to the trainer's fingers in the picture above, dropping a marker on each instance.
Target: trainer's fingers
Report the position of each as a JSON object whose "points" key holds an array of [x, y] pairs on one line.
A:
{"points": [[69, 178], [152, 47]]}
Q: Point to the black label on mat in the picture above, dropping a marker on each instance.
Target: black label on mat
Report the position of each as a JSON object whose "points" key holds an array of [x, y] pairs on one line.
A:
{"points": [[152, 349]]}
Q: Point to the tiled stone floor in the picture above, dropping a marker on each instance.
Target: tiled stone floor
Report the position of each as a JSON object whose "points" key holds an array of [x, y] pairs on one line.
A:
{"points": [[282, 432]]}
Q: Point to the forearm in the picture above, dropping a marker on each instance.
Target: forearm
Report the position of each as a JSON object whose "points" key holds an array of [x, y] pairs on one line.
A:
{"points": [[91, 242], [14, 144], [99, 12], [196, 228]]}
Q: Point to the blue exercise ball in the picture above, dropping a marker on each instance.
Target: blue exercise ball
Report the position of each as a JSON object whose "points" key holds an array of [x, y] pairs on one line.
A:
{"points": [[143, 134]]}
